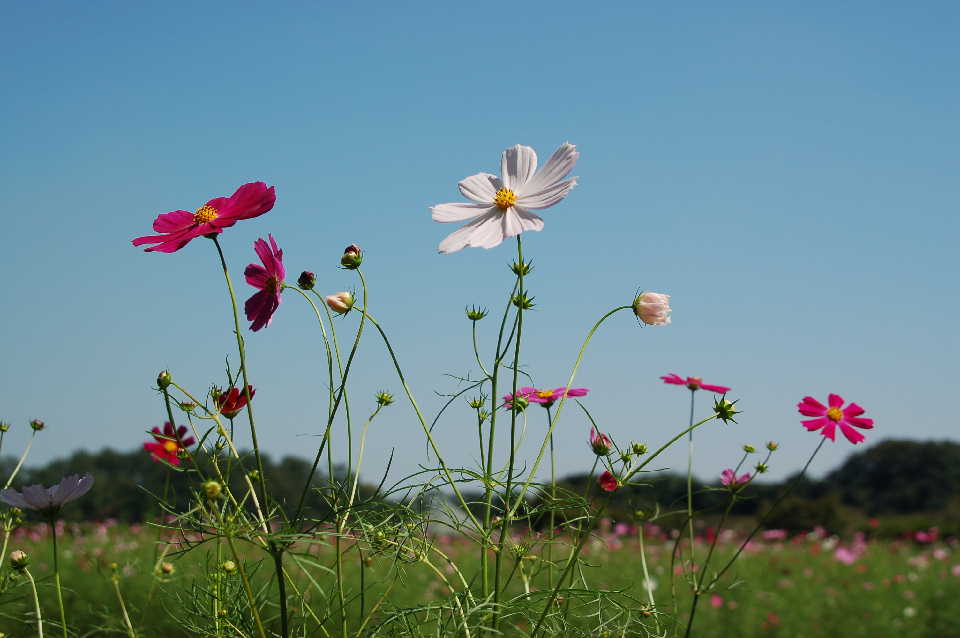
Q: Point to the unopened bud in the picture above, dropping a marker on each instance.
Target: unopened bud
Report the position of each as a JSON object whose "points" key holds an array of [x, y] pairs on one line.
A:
{"points": [[724, 409], [749, 449], [639, 448], [307, 280], [340, 302], [652, 308], [352, 257], [164, 379], [19, 559], [37, 425], [212, 489], [167, 568], [4, 426], [476, 314], [384, 398], [229, 566], [772, 446]]}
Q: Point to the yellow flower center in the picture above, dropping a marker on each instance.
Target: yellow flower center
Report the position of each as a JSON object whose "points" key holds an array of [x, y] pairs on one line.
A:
{"points": [[835, 414], [505, 198], [170, 446], [545, 394], [205, 214]]}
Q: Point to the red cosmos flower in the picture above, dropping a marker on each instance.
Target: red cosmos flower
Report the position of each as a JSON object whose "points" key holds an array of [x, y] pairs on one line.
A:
{"points": [[230, 403], [828, 418], [607, 481], [546, 398], [694, 383], [269, 279], [177, 228], [168, 443]]}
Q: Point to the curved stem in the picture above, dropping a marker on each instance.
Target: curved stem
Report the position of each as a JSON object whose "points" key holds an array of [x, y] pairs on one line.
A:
{"points": [[56, 577], [36, 603], [23, 457], [123, 608]]}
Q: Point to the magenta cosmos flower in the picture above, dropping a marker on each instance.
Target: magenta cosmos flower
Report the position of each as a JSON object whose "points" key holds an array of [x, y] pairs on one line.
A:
{"points": [[546, 398], [167, 443], [828, 418], [600, 442], [694, 383], [177, 228], [501, 206], [269, 279], [607, 481], [729, 479]]}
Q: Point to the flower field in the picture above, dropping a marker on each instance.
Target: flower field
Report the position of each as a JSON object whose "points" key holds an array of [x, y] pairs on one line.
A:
{"points": [[806, 585]]}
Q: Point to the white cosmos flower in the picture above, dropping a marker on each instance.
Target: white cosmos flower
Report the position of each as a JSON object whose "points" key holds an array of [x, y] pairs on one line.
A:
{"points": [[502, 206]]}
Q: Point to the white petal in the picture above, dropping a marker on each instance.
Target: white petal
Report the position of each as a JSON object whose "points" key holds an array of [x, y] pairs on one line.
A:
{"points": [[548, 196], [520, 221], [560, 163], [481, 187], [517, 165], [457, 212], [483, 232]]}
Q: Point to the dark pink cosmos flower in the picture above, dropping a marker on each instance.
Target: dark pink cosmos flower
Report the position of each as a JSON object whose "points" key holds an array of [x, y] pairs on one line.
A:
{"points": [[600, 443], [607, 481], [546, 398], [729, 479], [168, 443], [232, 401], [177, 228], [828, 418], [694, 383], [269, 279]]}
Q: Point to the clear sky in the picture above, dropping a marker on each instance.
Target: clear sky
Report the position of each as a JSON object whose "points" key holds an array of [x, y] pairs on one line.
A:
{"points": [[788, 174]]}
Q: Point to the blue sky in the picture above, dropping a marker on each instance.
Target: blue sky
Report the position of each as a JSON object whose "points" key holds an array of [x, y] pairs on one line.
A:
{"points": [[788, 174]]}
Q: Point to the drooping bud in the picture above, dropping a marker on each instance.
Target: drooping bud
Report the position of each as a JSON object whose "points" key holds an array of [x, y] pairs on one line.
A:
{"points": [[19, 560], [164, 379], [212, 489], [340, 302], [37, 425], [652, 308], [352, 257], [307, 280]]}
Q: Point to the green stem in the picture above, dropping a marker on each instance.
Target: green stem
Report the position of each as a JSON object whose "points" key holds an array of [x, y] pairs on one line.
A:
{"points": [[698, 588], [123, 608], [36, 603], [553, 513], [23, 457], [693, 538], [511, 463], [56, 577]]}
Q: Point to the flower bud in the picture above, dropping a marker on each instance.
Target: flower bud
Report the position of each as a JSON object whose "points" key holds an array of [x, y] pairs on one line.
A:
{"points": [[772, 446], [229, 566], [608, 482], [724, 409], [652, 308], [340, 302], [639, 448], [19, 560], [212, 489], [253, 475], [37, 425], [167, 569], [164, 379], [522, 268], [761, 468], [307, 280], [476, 314], [600, 443], [749, 449], [384, 398], [477, 402], [4, 426], [352, 257]]}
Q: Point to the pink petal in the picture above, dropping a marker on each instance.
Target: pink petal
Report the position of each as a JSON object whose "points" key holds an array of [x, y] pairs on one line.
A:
{"points": [[248, 201], [173, 222], [715, 388], [811, 407], [835, 400], [256, 276], [852, 435], [860, 422], [575, 392], [674, 379], [829, 430], [852, 410], [260, 308], [816, 424]]}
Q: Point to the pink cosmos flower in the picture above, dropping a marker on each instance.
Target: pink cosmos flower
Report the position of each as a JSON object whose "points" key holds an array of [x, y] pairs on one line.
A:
{"points": [[180, 226], [731, 480], [694, 383], [600, 442], [269, 279], [828, 418], [168, 443], [607, 481], [716, 601], [546, 398], [502, 206]]}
